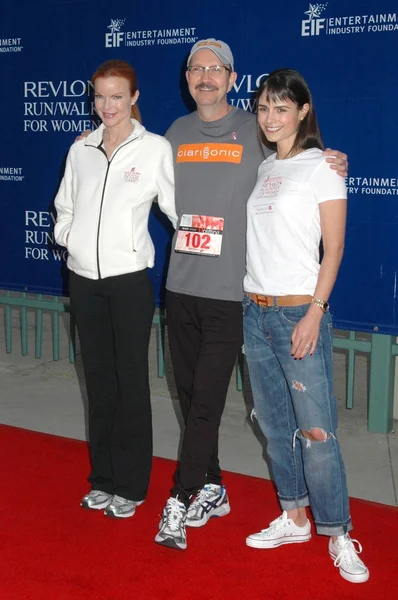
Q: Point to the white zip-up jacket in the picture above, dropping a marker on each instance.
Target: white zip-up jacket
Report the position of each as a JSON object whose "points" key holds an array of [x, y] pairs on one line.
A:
{"points": [[103, 205]]}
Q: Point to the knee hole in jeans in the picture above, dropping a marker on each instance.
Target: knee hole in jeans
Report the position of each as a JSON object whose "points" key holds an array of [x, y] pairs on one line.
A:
{"points": [[313, 434]]}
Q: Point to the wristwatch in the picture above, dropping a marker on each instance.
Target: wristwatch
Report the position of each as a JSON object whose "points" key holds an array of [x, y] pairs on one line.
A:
{"points": [[321, 304]]}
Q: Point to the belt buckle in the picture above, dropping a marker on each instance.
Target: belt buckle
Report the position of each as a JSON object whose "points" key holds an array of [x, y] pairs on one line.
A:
{"points": [[262, 301]]}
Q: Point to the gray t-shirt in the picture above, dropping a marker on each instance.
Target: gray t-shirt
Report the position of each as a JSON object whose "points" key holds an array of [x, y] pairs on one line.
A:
{"points": [[216, 167]]}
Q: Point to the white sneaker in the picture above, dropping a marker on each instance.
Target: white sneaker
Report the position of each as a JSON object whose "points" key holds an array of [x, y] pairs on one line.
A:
{"points": [[345, 556], [280, 531], [121, 508], [211, 501], [172, 531]]}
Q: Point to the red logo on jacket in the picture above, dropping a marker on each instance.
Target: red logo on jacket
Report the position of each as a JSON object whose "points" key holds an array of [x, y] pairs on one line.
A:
{"points": [[132, 176]]}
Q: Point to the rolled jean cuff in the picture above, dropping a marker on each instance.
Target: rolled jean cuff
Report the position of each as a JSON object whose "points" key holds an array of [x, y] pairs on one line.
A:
{"points": [[291, 504], [332, 529]]}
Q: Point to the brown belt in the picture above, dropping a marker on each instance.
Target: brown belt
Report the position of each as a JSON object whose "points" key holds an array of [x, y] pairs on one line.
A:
{"points": [[278, 300]]}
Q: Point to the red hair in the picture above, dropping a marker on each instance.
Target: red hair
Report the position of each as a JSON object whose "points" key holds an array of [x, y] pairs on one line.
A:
{"points": [[120, 68]]}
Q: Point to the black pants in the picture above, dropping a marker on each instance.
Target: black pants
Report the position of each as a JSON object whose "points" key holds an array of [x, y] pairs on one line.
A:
{"points": [[205, 336], [114, 318]]}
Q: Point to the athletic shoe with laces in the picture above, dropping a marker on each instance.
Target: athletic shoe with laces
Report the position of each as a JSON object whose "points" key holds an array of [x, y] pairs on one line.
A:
{"points": [[344, 552], [280, 531], [172, 525], [121, 508], [96, 500], [211, 501]]}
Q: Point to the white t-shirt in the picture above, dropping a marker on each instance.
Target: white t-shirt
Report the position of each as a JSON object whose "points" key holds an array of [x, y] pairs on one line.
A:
{"points": [[283, 223]]}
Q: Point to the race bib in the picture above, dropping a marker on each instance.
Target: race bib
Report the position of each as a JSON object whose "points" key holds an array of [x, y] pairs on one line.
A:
{"points": [[200, 234]]}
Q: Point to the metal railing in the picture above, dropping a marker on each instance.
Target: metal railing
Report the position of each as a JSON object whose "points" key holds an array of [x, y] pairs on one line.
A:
{"points": [[381, 349], [22, 302]]}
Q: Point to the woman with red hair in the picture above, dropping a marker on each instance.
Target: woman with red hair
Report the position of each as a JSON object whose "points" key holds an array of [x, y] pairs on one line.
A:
{"points": [[111, 179]]}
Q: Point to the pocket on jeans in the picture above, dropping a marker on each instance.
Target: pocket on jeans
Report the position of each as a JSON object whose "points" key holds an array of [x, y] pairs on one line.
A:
{"points": [[293, 314], [329, 327], [245, 304]]}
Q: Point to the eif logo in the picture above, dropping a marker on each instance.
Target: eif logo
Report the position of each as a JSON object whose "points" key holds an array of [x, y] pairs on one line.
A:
{"points": [[314, 24], [115, 38]]}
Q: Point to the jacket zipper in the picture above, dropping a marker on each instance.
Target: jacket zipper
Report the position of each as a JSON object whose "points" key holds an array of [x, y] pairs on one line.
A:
{"points": [[102, 199], [132, 226], [100, 213]]}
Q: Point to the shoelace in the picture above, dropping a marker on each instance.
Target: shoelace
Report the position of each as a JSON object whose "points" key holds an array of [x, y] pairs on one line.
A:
{"points": [[349, 552], [203, 495], [174, 514], [276, 524], [117, 500], [96, 493]]}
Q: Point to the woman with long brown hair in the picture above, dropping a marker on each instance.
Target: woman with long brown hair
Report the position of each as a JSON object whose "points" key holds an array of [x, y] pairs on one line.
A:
{"points": [[297, 201]]}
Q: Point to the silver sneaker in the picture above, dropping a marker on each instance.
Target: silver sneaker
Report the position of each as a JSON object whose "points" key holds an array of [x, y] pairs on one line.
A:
{"points": [[211, 501], [172, 525], [121, 508], [344, 552], [96, 500]]}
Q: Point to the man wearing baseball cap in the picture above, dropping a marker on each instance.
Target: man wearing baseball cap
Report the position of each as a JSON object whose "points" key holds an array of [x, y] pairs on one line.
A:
{"points": [[216, 158], [219, 48]]}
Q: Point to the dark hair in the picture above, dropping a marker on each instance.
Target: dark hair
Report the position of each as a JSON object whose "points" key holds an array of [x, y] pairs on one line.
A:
{"points": [[284, 84], [120, 68]]}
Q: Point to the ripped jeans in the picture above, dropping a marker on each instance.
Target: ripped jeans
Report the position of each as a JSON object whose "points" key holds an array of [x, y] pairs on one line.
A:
{"points": [[291, 396]]}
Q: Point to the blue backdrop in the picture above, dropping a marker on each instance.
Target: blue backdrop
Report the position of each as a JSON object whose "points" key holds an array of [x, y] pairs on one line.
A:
{"points": [[346, 49]]}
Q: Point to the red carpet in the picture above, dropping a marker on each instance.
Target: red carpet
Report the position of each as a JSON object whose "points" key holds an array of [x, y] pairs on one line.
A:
{"points": [[51, 549]]}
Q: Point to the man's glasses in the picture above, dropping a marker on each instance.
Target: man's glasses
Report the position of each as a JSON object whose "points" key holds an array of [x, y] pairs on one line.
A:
{"points": [[214, 70]]}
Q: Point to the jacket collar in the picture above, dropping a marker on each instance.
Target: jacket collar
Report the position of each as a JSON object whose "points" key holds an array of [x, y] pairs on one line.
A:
{"points": [[95, 138]]}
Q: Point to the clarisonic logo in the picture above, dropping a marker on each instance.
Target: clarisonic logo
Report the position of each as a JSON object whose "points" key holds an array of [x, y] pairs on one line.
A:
{"points": [[231, 153]]}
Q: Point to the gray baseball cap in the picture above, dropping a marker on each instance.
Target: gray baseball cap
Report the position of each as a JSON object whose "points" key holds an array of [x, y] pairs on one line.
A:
{"points": [[220, 49]]}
